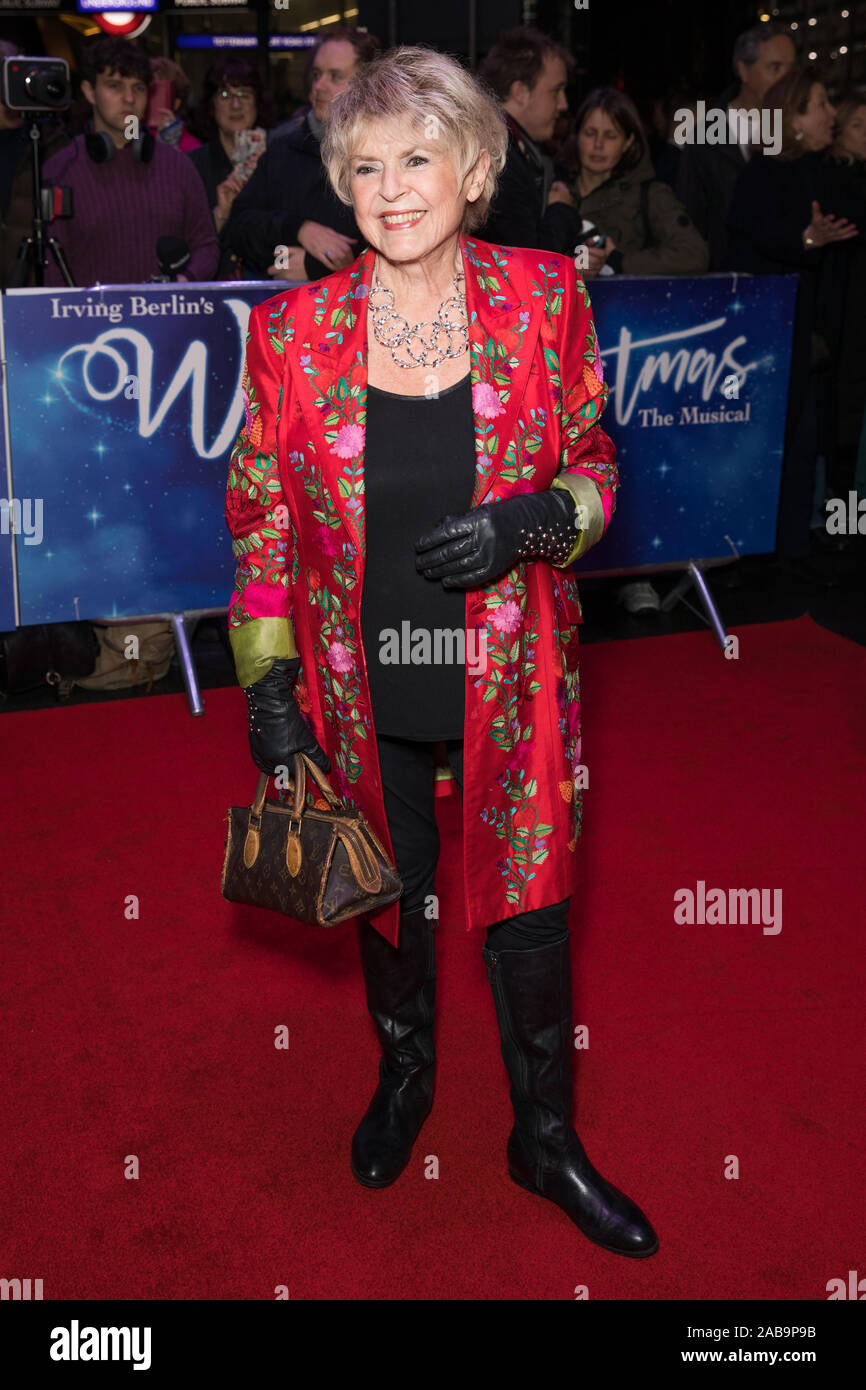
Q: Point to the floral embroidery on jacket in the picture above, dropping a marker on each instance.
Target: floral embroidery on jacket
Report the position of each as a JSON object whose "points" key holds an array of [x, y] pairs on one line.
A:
{"points": [[512, 636], [253, 486], [538, 393], [336, 626], [343, 403]]}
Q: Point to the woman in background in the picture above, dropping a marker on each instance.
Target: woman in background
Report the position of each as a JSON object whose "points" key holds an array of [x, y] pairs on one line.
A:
{"points": [[849, 144], [233, 99], [847, 157], [792, 214], [646, 229]]}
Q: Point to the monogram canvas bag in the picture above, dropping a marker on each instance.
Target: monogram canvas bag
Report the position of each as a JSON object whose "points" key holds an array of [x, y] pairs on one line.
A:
{"points": [[318, 866]]}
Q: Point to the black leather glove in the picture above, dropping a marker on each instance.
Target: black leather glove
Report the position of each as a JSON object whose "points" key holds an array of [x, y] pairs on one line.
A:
{"points": [[278, 730], [482, 545]]}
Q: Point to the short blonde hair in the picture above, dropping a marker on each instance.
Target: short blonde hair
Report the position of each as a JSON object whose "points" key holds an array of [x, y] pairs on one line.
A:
{"points": [[435, 93]]}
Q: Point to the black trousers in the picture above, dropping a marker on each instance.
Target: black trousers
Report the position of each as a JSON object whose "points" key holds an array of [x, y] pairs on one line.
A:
{"points": [[407, 782]]}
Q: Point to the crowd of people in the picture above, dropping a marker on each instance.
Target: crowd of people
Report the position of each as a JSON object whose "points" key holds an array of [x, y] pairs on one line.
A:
{"points": [[248, 196]]}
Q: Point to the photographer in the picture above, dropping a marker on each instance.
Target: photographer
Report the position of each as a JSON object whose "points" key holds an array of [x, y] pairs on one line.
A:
{"points": [[128, 188]]}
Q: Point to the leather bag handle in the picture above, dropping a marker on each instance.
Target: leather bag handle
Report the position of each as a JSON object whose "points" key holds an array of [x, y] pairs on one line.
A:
{"points": [[299, 787]]}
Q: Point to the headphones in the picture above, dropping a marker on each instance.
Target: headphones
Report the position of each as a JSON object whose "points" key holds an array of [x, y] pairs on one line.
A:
{"points": [[101, 147]]}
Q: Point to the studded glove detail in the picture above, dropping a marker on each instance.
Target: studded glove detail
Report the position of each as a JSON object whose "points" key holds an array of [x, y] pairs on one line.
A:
{"points": [[480, 546], [277, 728]]}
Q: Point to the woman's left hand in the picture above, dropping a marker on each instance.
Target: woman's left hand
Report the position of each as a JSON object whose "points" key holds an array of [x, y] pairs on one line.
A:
{"points": [[480, 546], [468, 550]]}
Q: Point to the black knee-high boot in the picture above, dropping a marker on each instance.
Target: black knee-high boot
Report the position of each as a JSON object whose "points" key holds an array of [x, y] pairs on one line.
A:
{"points": [[532, 993], [401, 986]]}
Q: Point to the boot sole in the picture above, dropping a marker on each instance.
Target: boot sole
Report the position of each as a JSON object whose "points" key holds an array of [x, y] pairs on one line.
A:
{"points": [[612, 1249], [386, 1182]]}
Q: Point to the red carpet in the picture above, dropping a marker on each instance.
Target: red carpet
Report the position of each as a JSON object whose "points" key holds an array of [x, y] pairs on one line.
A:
{"points": [[154, 1037]]}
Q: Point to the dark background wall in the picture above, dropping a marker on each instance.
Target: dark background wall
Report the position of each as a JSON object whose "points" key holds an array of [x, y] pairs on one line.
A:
{"points": [[644, 47]]}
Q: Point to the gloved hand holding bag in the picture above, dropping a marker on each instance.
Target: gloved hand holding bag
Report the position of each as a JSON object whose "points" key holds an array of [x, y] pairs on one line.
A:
{"points": [[277, 729]]}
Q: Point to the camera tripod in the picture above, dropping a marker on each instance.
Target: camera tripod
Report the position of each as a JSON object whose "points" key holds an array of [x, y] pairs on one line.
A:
{"points": [[32, 253]]}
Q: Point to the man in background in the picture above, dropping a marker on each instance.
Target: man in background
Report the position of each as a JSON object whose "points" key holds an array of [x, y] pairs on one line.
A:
{"points": [[122, 205], [706, 174], [528, 72], [289, 201]]}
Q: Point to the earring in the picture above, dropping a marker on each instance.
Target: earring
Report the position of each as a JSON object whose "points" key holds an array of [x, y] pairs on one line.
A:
{"points": [[798, 135]]}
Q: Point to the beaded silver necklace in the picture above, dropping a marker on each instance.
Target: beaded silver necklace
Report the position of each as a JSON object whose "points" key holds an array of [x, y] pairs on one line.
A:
{"points": [[447, 334]]}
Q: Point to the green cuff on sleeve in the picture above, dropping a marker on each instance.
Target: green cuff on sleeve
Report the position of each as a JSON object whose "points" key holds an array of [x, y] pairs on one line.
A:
{"points": [[587, 500], [256, 645]]}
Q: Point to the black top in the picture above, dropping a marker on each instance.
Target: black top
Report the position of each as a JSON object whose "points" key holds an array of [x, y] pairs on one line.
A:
{"points": [[519, 215], [771, 205], [214, 165], [419, 466], [289, 186], [706, 176]]}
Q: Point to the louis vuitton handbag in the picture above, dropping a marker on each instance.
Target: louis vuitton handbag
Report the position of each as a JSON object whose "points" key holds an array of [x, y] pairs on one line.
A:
{"points": [[318, 866]]}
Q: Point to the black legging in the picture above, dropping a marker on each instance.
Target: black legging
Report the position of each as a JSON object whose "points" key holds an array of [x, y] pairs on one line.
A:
{"points": [[407, 782]]}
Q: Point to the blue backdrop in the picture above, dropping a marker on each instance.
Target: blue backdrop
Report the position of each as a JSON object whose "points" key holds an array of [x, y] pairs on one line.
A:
{"points": [[7, 540], [125, 402], [133, 484], [696, 464]]}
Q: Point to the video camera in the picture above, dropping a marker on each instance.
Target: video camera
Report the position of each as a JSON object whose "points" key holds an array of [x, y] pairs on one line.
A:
{"points": [[35, 84]]}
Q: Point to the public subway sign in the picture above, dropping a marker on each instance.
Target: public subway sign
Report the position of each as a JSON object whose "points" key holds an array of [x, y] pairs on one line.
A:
{"points": [[109, 6], [124, 403]]}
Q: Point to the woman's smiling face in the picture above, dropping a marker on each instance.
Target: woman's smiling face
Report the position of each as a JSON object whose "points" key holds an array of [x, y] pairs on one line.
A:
{"points": [[406, 190]]}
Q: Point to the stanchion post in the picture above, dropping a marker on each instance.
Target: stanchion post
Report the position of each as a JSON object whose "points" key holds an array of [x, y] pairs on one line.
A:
{"points": [[190, 680]]}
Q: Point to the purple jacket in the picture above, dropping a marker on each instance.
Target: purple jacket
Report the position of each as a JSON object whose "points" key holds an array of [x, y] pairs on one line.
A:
{"points": [[121, 207]]}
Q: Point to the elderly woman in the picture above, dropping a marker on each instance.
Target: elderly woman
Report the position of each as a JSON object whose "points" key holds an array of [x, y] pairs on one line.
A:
{"points": [[422, 455]]}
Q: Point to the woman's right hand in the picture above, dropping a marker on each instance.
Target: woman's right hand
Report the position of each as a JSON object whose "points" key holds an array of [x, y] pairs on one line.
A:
{"points": [[227, 191], [824, 229], [597, 257], [324, 244], [277, 728]]}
